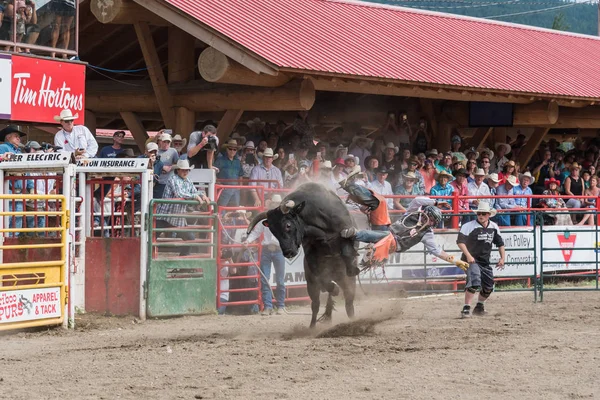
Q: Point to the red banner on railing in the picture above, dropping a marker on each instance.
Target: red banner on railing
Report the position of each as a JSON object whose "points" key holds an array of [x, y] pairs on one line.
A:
{"points": [[42, 88]]}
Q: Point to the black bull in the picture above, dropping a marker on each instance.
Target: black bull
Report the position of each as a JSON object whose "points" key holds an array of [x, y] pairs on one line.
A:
{"points": [[313, 216]]}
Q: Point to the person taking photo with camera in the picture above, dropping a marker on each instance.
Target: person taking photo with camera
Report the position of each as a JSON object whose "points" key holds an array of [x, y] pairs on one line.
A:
{"points": [[202, 147]]}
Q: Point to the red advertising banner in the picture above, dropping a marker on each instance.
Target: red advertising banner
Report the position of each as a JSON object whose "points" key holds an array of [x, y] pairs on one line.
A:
{"points": [[42, 88]]}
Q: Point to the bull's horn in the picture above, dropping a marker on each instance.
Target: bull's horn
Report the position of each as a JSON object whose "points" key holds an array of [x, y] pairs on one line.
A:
{"points": [[287, 206], [260, 217]]}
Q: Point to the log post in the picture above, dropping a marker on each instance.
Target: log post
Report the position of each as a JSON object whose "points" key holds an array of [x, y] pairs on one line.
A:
{"points": [[228, 123], [181, 70], [124, 12], [135, 126], [161, 91], [444, 135], [91, 121], [216, 67], [479, 138]]}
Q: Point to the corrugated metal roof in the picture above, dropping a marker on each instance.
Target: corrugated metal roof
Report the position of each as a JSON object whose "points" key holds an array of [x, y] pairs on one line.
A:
{"points": [[370, 40]]}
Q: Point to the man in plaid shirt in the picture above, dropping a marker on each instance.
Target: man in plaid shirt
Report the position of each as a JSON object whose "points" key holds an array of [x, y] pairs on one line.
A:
{"points": [[179, 186]]}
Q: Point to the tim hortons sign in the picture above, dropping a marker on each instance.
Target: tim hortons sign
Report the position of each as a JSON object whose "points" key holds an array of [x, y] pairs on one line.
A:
{"points": [[41, 88]]}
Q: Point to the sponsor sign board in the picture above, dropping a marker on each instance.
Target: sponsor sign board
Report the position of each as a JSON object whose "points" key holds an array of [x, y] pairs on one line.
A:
{"points": [[29, 304]]}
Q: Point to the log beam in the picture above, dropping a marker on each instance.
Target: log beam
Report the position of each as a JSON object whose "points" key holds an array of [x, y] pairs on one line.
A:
{"points": [[124, 12], [479, 137], [407, 90], [228, 123], [135, 126], [161, 91], [105, 97], [582, 118], [532, 145], [535, 114], [216, 67]]}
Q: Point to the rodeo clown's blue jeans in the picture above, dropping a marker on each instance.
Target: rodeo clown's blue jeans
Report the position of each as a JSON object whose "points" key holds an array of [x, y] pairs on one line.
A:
{"points": [[367, 236], [275, 256]]}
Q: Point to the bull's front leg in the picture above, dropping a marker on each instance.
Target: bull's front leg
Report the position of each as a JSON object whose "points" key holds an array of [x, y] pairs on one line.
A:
{"points": [[349, 255], [314, 291]]}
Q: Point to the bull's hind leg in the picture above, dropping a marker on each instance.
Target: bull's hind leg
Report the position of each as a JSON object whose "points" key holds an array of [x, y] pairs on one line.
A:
{"points": [[326, 317]]}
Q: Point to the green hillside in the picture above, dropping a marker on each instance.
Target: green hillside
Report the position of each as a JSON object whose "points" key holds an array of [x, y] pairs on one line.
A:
{"points": [[579, 17]]}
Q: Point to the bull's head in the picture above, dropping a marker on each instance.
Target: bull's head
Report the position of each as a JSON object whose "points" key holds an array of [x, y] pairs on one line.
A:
{"points": [[285, 224]]}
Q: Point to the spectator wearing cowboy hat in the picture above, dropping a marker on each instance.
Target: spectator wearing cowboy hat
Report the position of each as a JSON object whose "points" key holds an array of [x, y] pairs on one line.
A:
{"points": [[265, 172], [360, 148], [506, 189], [478, 188], [11, 136], [76, 139], [271, 254], [389, 160], [552, 186], [381, 186], [179, 145], [230, 168], [408, 188], [523, 188], [116, 148], [180, 186], [371, 165], [493, 181], [169, 157], [443, 188], [460, 185], [154, 162], [412, 165]]}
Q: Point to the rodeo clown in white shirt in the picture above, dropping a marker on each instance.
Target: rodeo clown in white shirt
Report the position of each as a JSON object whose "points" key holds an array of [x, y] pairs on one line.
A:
{"points": [[76, 139]]}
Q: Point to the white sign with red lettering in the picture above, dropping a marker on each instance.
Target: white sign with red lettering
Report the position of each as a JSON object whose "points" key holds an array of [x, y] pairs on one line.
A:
{"points": [[29, 305]]}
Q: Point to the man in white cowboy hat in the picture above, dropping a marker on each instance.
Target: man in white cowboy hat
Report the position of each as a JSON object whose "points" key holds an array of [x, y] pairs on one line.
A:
{"points": [[475, 240], [179, 186], [116, 148], [76, 139], [179, 145], [202, 147], [506, 189], [169, 157], [524, 202], [269, 176], [408, 188], [271, 254], [230, 168], [499, 159], [478, 188], [360, 147]]}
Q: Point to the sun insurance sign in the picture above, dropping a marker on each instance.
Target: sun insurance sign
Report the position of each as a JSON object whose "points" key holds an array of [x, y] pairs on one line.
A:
{"points": [[35, 89]]}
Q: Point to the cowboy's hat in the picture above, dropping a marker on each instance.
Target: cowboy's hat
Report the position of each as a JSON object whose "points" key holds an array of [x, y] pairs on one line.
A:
{"points": [[274, 201], [357, 138], [472, 150], [256, 122], [459, 172], [178, 138], [241, 139], [487, 150], [512, 180], [231, 143], [552, 181], [8, 130], [340, 162], [493, 177], [575, 165], [443, 173], [183, 164], [326, 164], [432, 152], [505, 145], [249, 145], [479, 172], [66, 115], [409, 175], [269, 153], [382, 170], [391, 145], [526, 175], [510, 163], [484, 207]]}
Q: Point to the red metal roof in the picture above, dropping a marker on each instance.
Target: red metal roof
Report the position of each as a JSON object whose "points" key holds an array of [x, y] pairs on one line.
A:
{"points": [[372, 40]]}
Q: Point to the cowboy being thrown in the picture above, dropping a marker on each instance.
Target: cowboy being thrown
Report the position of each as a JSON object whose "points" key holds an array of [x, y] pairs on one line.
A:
{"points": [[415, 226]]}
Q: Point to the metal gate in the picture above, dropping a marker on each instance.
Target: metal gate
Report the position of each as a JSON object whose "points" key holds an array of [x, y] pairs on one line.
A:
{"points": [[182, 272], [113, 193]]}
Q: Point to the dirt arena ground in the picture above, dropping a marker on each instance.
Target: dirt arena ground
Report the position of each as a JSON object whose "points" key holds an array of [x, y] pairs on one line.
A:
{"points": [[401, 349]]}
